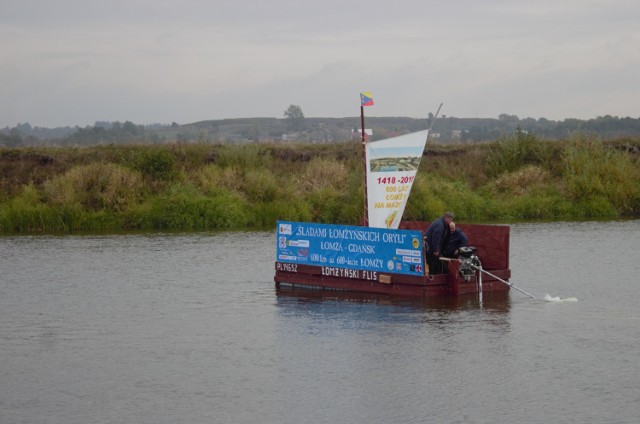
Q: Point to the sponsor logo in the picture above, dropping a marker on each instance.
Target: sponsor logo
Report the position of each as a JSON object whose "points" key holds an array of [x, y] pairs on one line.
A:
{"points": [[299, 243], [285, 229], [287, 257]]}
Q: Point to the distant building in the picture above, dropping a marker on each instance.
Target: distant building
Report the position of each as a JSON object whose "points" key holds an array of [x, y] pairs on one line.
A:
{"points": [[357, 134]]}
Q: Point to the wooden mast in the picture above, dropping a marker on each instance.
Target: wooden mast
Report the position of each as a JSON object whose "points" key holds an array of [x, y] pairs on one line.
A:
{"points": [[364, 162]]}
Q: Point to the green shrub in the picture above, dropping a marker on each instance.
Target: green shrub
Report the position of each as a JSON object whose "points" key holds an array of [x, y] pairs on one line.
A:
{"points": [[260, 185], [325, 205], [513, 152], [266, 214], [432, 195], [243, 157], [520, 182], [20, 217], [422, 203], [24, 212], [184, 208], [322, 173], [533, 207], [96, 186], [596, 175], [210, 178], [153, 162], [595, 207]]}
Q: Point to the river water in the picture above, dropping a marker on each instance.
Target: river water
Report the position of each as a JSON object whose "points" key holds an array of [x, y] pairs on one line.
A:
{"points": [[190, 329]]}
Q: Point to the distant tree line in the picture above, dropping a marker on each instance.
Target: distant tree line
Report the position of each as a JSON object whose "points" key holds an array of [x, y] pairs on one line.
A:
{"points": [[102, 132], [294, 126], [607, 127]]}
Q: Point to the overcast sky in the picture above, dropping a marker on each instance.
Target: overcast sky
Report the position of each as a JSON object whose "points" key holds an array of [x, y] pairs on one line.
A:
{"points": [[74, 62]]}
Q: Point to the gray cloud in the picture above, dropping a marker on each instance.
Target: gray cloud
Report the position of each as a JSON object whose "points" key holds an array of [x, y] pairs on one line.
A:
{"points": [[74, 62]]}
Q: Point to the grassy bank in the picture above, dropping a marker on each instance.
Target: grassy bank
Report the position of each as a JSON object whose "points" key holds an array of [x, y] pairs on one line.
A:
{"points": [[204, 186]]}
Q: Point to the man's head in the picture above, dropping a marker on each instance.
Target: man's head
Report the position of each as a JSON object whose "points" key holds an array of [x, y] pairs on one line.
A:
{"points": [[448, 217]]}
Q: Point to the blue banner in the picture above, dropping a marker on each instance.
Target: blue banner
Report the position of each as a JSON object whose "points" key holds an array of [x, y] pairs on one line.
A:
{"points": [[345, 246]]}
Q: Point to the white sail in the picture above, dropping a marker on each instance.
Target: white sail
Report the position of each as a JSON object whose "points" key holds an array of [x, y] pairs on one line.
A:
{"points": [[392, 164]]}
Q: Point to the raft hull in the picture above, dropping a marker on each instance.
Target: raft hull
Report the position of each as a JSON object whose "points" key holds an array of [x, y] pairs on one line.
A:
{"points": [[492, 247], [450, 284]]}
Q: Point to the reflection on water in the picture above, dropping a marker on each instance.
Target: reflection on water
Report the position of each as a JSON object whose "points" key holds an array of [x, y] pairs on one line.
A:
{"points": [[289, 296]]}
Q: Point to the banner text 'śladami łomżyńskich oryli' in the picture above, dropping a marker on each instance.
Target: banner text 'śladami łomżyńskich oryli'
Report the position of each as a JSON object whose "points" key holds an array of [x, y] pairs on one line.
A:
{"points": [[350, 247]]}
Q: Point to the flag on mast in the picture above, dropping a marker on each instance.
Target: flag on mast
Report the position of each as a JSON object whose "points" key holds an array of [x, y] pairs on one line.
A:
{"points": [[366, 98]]}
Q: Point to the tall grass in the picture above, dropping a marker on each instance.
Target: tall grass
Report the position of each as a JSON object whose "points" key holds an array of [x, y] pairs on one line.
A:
{"points": [[260, 185], [433, 195], [209, 178], [26, 213], [183, 207], [605, 182], [244, 156], [529, 193], [96, 186], [156, 163], [265, 214], [520, 182], [520, 149], [322, 173], [204, 186]]}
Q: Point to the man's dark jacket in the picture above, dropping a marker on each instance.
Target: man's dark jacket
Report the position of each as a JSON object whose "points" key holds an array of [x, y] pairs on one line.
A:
{"points": [[456, 240], [434, 237]]}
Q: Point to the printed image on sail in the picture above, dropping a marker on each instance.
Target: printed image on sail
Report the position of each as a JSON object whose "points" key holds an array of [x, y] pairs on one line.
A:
{"points": [[391, 168]]}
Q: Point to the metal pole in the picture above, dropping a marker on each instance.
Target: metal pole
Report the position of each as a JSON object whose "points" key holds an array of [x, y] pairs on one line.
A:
{"points": [[503, 281], [494, 276], [480, 284], [435, 116]]}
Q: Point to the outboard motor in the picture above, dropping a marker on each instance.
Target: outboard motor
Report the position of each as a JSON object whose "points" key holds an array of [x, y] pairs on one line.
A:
{"points": [[468, 262]]}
